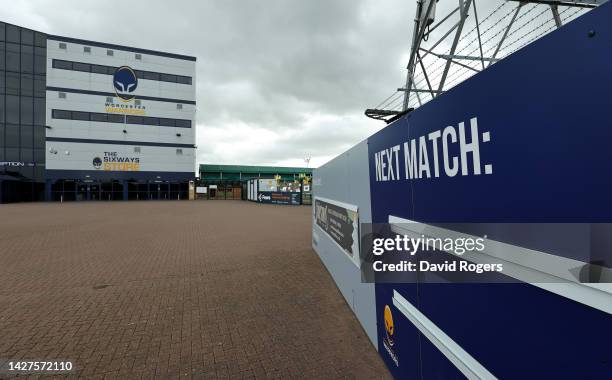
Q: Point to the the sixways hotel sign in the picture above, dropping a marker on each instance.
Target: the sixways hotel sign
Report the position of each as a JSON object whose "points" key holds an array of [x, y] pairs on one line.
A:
{"points": [[112, 161]]}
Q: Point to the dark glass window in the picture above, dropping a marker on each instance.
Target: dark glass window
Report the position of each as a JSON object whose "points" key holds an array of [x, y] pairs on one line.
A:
{"points": [[114, 118], [2, 85], [27, 136], [183, 79], [183, 123], [40, 84], [40, 60], [12, 57], [12, 83], [134, 119], [27, 155], [166, 122], [39, 171], [27, 84], [61, 64], [78, 66], [12, 109], [168, 78], [39, 136], [150, 76], [2, 55], [12, 34], [151, 121], [27, 111], [95, 116], [12, 154], [61, 114], [27, 59], [27, 37], [26, 171], [40, 40], [1, 136], [109, 70], [39, 156], [1, 114], [105, 117], [99, 69], [39, 111], [11, 139], [78, 115], [2, 33]]}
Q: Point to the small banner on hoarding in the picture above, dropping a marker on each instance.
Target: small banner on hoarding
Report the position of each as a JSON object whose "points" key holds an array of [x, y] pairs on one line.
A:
{"points": [[341, 223], [278, 198]]}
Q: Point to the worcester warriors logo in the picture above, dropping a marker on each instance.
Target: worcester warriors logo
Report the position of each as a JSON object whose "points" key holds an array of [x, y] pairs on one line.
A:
{"points": [[389, 331], [125, 83], [97, 162], [389, 328]]}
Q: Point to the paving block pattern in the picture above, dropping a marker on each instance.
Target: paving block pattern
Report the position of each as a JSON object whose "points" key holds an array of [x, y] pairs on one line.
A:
{"points": [[177, 289]]}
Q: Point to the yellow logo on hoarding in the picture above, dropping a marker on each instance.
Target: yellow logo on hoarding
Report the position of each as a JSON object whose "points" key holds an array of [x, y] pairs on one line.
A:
{"points": [[389, 332], [389, 328]]}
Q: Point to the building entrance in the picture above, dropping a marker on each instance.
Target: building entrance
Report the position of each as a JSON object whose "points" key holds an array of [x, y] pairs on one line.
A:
{"points": [[94, 190], [88, 191]]}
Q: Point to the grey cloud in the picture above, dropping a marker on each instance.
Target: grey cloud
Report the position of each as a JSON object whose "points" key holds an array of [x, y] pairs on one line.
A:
{"points": [[262, 65]]}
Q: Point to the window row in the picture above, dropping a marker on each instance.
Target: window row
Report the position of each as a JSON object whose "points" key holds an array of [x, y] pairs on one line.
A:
{"points": [[22, 136], [12, 33], [110, 70], [22, 58], [22, 84], [118, 118], [33, 172], [22, 110], [23, 155], [87, 50]]}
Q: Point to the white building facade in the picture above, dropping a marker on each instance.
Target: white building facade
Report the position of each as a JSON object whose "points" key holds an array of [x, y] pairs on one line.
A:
{"points": [[119, 122]]}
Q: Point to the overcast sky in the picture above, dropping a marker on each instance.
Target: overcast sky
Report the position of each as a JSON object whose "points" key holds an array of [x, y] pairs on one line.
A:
{"points": [[277, 81]]}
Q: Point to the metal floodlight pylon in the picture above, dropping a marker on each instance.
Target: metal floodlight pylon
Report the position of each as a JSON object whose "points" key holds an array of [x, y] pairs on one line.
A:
{"points": [[434, 66]]}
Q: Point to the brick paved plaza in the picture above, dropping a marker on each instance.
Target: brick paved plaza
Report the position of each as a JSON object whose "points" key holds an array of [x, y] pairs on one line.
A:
{"points": [[205, 289]]}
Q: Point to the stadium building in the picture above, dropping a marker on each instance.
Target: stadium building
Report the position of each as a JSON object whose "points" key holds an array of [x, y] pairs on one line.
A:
{"points": [[84, 120], [230, 181]]}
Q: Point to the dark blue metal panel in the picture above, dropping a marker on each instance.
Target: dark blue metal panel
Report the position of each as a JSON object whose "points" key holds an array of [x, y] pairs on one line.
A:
{"points": [[405, 338], [546, 109]]}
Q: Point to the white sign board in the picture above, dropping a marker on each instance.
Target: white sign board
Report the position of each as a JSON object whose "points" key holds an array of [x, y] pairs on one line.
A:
{"points": [[267, 185], [201, 190]]}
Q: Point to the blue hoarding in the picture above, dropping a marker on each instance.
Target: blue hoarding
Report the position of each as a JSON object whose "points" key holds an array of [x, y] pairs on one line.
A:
{"points": [[526, 140]]}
